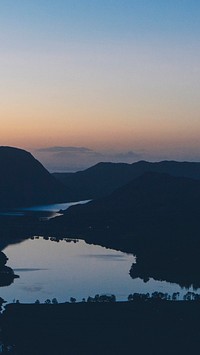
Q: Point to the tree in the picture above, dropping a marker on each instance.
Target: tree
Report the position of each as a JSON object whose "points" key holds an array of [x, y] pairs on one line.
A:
{"points": [[130, 297], [48, 301], [72, 300], [54, 301], [90, 299]]}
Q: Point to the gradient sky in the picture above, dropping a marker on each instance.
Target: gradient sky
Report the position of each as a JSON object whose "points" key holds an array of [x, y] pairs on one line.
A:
{"points": [[100, 80]]}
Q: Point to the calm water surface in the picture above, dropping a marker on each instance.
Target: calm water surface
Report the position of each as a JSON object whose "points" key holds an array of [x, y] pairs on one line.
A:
{"points": [[45, 211], [49, 269]]}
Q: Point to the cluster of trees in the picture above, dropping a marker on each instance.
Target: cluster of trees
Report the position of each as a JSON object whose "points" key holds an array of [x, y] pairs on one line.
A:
{"points": [[154, 296], [48, 301], [102, 298], [56, 239], [189, 296], [96, 298]]}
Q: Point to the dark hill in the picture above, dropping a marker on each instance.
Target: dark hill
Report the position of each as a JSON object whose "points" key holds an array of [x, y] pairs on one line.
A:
{"points": [[103, 178], [25, 182], [119, 328], [155, 217], [153, 204]]}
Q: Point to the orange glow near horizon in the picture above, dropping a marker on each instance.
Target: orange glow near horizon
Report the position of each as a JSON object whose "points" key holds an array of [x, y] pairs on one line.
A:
{"points": [[99, 129], [105, 90]]}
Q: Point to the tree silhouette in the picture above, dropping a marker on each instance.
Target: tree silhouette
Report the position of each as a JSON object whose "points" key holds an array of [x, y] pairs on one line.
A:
{"points": [[72, 300]]}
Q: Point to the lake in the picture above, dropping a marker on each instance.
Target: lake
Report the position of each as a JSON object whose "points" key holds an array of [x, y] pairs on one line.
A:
{"points": [[50, 269], [43, 211]]}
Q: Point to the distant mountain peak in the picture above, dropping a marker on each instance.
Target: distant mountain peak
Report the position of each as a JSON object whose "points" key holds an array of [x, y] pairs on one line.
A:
{"points": [[105, 177]]}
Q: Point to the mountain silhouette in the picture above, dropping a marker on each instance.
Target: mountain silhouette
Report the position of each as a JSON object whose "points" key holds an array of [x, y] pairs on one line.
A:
{"points": [[103, 178], [154, 204], [25, 182], [155, 217]]}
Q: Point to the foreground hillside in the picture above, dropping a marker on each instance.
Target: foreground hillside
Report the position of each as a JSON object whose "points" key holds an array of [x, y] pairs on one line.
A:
{"points": [[25, 182], [121, 328], [103, 178]]}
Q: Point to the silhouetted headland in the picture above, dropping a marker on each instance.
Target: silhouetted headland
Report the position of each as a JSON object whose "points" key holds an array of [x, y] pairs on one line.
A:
{"points": [[7, 274], [25, 182]]}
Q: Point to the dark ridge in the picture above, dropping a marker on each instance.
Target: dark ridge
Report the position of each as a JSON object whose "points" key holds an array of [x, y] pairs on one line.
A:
{"points": [[147, 203], [153, 214], [103, 178], [155, 217], [25, 182], [97, 181]]}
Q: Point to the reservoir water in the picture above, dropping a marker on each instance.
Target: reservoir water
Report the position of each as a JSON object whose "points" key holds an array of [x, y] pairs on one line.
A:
{"points": [[64, 269], [42, 211], [49, 268]]}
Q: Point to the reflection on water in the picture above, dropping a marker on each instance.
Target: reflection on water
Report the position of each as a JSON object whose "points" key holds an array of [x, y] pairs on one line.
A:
{"points": [[42, 211], [54, 207], [70, 269]]}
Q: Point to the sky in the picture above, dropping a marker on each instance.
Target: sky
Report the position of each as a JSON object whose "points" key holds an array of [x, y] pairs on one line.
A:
{"points": [[84, 81]]}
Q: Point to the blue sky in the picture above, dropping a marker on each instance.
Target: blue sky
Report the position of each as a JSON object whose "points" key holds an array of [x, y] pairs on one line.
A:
{"points": [[112, 76], [111, 19]]}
